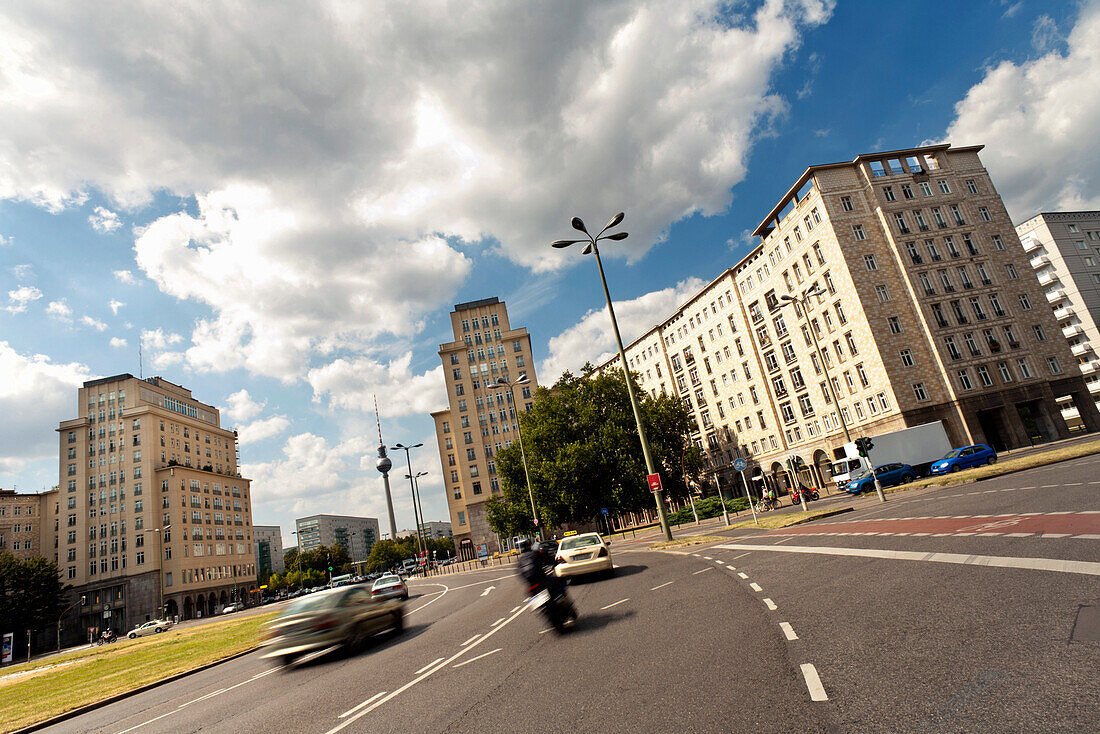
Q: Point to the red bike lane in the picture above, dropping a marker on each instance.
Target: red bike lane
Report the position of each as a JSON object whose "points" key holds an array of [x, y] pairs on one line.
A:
{"points": [[1054, 524]]}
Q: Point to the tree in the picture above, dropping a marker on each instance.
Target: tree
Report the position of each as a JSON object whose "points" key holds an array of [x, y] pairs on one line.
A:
{"points": [[386, 554], [583, 453], [30, 595]]}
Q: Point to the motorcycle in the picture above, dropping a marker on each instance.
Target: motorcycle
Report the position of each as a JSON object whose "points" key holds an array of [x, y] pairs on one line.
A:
{"points": [[809, 492], [554, 605], [106, 638]]}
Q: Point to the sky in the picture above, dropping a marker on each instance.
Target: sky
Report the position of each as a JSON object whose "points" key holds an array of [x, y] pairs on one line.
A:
{"points": [[281, 203]]}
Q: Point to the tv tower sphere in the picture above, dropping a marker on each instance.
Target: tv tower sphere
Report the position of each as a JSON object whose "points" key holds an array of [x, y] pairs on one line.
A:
{"points": [[383, 464]]}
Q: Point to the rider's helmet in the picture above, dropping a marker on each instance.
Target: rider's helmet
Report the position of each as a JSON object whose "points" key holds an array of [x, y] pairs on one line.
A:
{"points": [[524, 545]]}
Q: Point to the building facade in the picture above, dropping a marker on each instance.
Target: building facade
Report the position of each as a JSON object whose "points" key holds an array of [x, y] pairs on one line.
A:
{"points": [[922, 310], [480, 419], [1065, 253], [150, 506], [356, 534], [268, 540], [436, 529], [21, 524]]}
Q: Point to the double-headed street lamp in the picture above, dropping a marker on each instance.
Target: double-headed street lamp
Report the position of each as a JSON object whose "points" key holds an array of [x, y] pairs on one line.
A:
{"points": [[160, 563], [801, 305], [298, 538], [521, 380], [412, 488], [419, 505], [592, 246]]}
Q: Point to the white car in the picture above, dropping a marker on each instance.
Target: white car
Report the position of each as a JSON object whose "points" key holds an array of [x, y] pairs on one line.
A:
{"points": [[390, 586], [582, 554], [234, 607], [153, 626]]}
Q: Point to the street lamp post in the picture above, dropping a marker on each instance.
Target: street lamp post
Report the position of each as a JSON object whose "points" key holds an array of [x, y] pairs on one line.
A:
{"points": [[417, 505], [521, 380], [801, 302], [592, 246], [412, 488], [160, 563], [298, 539]]}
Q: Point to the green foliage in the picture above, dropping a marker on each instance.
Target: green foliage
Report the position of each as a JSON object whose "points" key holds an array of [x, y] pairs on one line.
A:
{"points": [[583, 454], [30, 595], [708, 507]]}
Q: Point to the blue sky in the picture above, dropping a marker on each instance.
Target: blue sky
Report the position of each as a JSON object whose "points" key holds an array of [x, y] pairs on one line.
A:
{"points": [[285, 226]]}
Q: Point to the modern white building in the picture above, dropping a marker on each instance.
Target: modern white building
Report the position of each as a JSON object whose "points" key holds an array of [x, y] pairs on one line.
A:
{"points": [[268, 540], [357, 534]]}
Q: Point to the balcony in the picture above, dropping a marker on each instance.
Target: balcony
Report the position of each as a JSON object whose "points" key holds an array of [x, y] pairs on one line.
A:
{"points": [[1094, 386], [1063, 313], [1056, 295], [1047, 277], [1079, 350], [1070, 412], [1030, 244], [1087, 368], [1039, 262], [1072, 330]]}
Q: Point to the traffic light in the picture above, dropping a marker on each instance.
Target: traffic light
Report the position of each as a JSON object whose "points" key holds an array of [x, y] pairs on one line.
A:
{"points": [[864, 446]]}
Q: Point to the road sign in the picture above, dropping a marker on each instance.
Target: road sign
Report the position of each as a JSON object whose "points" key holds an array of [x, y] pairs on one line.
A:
{"points": [[604, 510], [654, 482], [740, 464], [107, 614]]}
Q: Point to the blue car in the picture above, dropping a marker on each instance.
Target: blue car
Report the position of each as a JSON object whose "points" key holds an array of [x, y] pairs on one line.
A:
{"points": [[888, 475], [964, 458]]}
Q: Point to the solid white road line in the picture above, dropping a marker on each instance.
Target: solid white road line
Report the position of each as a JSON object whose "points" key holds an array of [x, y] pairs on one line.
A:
{"points": [[661, 586], [788, 630], [349, 712], [1088, 568], [422, 669], [1088, 536], [813, 682], [708, 568], [620, 601], [467, 642], [755, 586], [203, 698], [771, 604], [479, 657]]}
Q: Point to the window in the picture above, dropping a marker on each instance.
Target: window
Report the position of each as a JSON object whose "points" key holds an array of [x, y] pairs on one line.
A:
{"points": [[882, 293], [997, 243], [895, 325], [907, 191], [869, 260], [983, 212], [925, 189], [1002, 367], [858, 231], [964, 380], [846, 203], [1039, 335], [1025, 304], [906, 358], [943, 186], [1053, 366], [888, 192], [918, 391], [899, 220], [971, 186], [952, 348], [1025, 370], [971, 345], [983, 375], [1011, 270]]}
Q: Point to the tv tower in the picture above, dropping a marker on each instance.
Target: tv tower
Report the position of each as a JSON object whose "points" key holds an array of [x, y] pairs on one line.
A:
{"points": [[383, 465]]}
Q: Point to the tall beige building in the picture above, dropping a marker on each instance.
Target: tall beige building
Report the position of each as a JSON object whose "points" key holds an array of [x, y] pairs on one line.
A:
{"points": [[479, 420], [21, 524], [150, 503], [1065, 252], [927, 311]]}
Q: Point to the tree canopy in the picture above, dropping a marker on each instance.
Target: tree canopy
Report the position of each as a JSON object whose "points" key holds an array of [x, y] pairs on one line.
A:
{"points": [[583, 454], [30, 595]]}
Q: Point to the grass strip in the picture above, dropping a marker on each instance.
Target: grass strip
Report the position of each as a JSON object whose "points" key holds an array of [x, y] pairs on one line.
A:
{"points": [[1004, 466], [65, 682], [773, 522], [687, 540]]}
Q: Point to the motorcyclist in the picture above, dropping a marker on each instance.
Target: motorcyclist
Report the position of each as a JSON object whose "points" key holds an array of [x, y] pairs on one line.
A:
{"points": [[533, 564]]}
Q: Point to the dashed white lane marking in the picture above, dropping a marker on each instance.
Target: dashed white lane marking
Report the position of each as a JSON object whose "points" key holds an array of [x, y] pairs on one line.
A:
{"points": [[208, 695], [1088, 568], [813, 682], [755, 586], [742, 574], [1073, 484], [1018, 535], [417, 672], [370, 700], [708, 568], [788, 630], [615, 604], [494, 624], [1088, 536], [707, 558], [770, 604], [479, 657], [695, 554], [731, 568], [1062, 512], [661, 586], [719, 562], [514, 610], [548, 629], [467, 642], [1054, 535], [740, 556]]}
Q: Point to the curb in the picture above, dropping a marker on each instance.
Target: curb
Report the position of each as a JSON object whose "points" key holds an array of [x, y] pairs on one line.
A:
{"points": [[120, 696], [940, 485]]}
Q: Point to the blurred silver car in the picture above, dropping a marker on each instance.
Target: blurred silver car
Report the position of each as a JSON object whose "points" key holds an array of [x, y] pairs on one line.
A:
{"points": [[344, 616], [390, 586]]}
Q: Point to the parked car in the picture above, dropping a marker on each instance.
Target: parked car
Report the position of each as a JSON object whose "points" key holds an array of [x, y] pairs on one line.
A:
{"points": [[389, 587], [234, 607], [964, 458], [888, 475], [151, 627], [345, 616], [583, 554]]}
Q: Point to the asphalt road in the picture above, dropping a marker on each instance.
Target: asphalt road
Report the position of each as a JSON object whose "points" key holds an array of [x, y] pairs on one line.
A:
{"points": [[912, 628]]}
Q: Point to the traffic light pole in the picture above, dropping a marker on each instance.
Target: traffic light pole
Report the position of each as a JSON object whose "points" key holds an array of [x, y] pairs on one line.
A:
{"points": [[864, 446]]}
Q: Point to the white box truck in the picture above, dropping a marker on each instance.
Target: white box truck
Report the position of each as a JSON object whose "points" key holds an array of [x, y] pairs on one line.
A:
{"points": [[917, 446]]}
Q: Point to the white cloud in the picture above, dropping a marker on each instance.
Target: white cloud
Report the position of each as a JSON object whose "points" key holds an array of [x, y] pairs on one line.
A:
{"points": [[402, 161], [309, 467], [21, 297], [241, 407], [351, 384], [1044, 34], [263, 428], [35, 395], [1036, 119], [115, 306], [5, 241], [60, 310], [592, 340], [158, 339], [125, 276], [93, 323], [117, 341], [21, 271], [104, 220]]}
